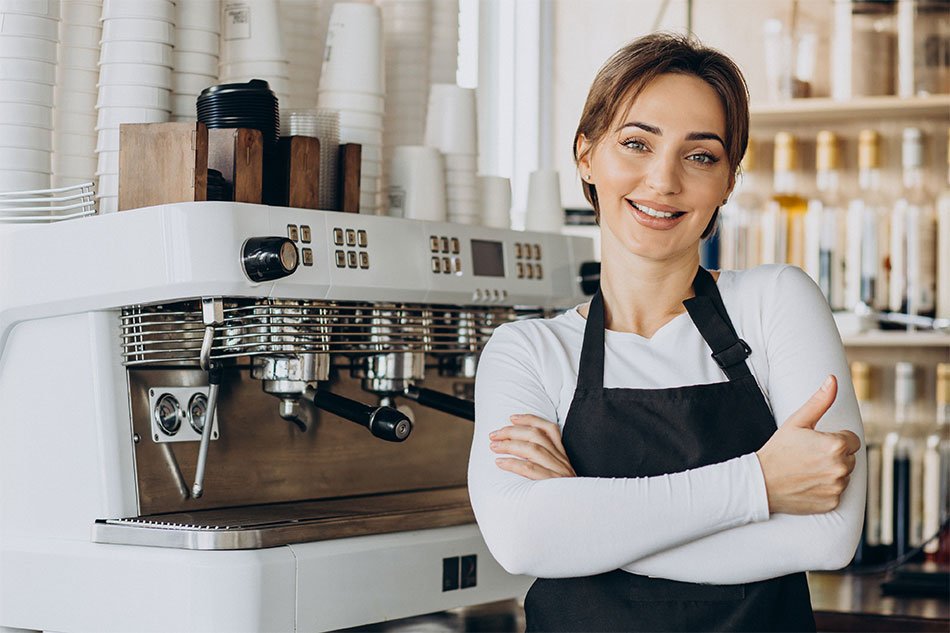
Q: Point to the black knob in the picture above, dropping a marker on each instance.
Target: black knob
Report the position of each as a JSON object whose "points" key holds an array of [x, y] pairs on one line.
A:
{"points": [[269, 258], [590, 277], [390, 424]]}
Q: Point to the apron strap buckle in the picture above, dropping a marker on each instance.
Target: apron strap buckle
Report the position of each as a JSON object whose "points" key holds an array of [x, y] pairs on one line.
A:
{"points": [[732, 355]]}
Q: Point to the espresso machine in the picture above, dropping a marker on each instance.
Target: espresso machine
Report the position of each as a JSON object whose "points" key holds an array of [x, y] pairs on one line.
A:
{"points": [[234, 417]]}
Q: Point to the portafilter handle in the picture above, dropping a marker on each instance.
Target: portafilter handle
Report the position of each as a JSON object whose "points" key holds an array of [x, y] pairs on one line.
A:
{"points": [[459, 407], [384, 422]]}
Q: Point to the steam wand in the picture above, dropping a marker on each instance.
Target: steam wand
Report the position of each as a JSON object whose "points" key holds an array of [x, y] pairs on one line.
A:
{"points": [[212, 311]]}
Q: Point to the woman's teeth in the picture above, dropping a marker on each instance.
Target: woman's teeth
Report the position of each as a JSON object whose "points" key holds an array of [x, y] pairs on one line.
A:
{"points": [[654, 213]]}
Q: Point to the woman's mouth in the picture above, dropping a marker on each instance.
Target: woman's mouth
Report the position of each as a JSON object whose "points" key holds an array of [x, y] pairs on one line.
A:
{"points": [[653, 218]]}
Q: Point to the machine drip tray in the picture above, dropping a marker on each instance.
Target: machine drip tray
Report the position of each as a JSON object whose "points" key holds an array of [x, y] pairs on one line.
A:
{"points": [[256, 527]]}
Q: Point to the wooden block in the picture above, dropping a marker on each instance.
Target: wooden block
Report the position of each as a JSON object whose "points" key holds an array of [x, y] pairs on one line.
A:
{"points": [[162, 163], [238, 153], [298, 166], [351, 155]]}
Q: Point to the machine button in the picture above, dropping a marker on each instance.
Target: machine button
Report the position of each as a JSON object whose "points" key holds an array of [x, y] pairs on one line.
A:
{"points": [[305, 234], [364, 259], [495, 295], [434, 244], [436, 265], [446, 265], [529, 271], [351, 259], [477, 295], [350, 237], [538, 272], [361, 238], [455, 245], [292, 232], [504, 295], [269, 258], [308, 257], [340, 259], [444, 241], [520, 270], [537, 251], [457, 264], [518, 250], [338, 236]]}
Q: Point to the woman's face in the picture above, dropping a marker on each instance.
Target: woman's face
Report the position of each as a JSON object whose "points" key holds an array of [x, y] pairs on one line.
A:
{"points": [[663, 155]]}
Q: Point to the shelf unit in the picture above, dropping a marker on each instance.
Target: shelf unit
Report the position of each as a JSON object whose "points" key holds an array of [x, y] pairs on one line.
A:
{"points": [[899, 339], [830, 110]]}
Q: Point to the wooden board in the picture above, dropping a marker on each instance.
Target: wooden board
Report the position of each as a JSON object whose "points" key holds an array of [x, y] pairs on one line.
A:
{"points": [[162, 163], [351, 155], [238, 153], [299, 167]]}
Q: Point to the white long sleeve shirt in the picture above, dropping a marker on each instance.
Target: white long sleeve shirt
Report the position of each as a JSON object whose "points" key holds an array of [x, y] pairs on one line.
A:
{"points": [[705, 525]]}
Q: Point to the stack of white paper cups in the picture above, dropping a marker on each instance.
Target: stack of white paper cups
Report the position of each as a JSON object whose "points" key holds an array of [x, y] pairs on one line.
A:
{"points": [[351, 81], [494, 198], [74, 100], [444, 46], [135, 80], [303, 26], [450, 127], [252, 47], [195, 58], [28, 36], [324, 125], [417, 183], [544, 211]]}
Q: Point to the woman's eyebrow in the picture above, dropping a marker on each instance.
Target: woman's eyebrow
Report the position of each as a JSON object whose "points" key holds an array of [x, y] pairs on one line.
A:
{"points": [[692, 136]]}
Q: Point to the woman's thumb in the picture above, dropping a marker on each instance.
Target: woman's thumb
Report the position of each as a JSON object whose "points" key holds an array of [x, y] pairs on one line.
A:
{"points": [[810, 412]]}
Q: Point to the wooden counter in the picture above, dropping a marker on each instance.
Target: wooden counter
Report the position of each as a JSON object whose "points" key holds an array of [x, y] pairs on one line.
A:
{"points": [[850, 602]]}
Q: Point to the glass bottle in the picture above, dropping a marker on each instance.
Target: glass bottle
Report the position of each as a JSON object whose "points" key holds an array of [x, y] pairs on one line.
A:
{"points": [[873, 44], [937, 465], [923, 47], [943, 245], [869, 549], [740, 241], [826, 223], [912, 285], [867, 264], [785, 212]]}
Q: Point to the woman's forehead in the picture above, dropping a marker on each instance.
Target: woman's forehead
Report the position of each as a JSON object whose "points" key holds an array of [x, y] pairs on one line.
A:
{"points": [[674, 102]]}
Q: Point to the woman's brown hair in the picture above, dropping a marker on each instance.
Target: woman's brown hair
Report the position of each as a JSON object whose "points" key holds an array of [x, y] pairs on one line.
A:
{"points": [[635, 65]]}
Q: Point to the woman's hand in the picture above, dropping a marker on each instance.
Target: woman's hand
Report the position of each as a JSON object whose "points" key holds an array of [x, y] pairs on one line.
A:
{"points": [[536, 446], [805, 470]]}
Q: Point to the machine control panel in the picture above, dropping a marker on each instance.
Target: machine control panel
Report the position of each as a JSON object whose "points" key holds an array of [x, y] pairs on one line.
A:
{"points": [[269, 258], [178, 414], [350, 248], [302, 235], [445, 255]]}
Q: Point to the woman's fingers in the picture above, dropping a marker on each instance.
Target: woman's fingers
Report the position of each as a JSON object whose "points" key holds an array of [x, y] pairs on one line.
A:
{"points": [[526, 468], [550, 429], [533, 452], [533, 435]]}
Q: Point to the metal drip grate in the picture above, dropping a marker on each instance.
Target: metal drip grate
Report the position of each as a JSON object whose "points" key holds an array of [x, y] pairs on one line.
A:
{"points": [[172, 333]]}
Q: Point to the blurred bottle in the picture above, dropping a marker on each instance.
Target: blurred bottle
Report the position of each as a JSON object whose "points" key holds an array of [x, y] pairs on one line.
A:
{"points": [[740, 240], [870, 551], [913, 236], [867, 263], [865, 48], [937, 467], [923, 47], [943, 245], [826, 224], [783, 234]]}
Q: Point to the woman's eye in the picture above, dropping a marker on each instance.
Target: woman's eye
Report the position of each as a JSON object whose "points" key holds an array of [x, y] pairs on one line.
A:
{"points": [[703, 158], [634, 144]]}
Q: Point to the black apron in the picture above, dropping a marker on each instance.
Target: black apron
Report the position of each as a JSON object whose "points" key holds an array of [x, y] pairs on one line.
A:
{"points": [[648, 432]]}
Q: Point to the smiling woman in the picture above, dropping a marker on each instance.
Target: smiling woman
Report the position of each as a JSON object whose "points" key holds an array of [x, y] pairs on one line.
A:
{"points": [[648, 483]]}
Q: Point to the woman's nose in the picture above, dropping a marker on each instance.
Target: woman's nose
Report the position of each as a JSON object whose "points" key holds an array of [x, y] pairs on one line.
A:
{"points": [[664, 175]]}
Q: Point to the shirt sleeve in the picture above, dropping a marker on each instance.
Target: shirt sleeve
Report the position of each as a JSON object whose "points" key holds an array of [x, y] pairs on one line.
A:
{"points": [[803, 347], [581, 526]]}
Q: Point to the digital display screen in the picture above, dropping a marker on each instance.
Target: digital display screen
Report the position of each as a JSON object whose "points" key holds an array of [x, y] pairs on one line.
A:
{"points": [[488, 258]]}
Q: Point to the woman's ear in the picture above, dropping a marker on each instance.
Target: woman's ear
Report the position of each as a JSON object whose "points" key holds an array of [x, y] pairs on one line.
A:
{"points": [[582, 150]]}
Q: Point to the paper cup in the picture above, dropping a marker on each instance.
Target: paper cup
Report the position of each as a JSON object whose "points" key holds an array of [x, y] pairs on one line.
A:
{"points": [[43, 8], [74, 166], [544, 211], [21, 25], [256, 68], [80, 35], [196, 41], [81, 14], [23, 180], [108, 162], [81, 101], [163, 10], [186, 105], [353, 55], [450, 121], [27, 70], [25, 92], [15, 47], [138, 30], [134, 97], [199, 14], [75, 144], [135, 75], [352, 101], [79, 57], [251, 30], [136, 53], [461, 192], [368, 120], [197, 63], [22, 137], [494, 198], [190, 85], [18, 158], [113, 117], [464, 178], [416, 184], [26, 114]]}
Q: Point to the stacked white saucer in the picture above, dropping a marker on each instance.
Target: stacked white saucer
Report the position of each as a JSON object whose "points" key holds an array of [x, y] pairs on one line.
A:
{"points": [[303, 26], [252, 46], [135, 80], [324, 125], [451, 128], [195, 58], [351, 81], [28, 36], [444, 46], [77, 75]]}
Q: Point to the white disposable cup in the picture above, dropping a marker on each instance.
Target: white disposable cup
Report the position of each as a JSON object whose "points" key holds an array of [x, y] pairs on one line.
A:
{"points": [[23, 137], [26, 114], [494, 198], [27, 70], [163, 10], [353, 118], [371, 168], [23, 159], [107, 204], [459, 162], [464, 178], [21, 25], [371, 152], [25, 92], [81, 13], [135, 75], [80, 100], [273, 68], [199, 14], [544, 211], [76, 80], [353, 55], [399, 56], [107, 162], [79, 57], [417, 184], [74, 144], [113, 117], [457, 208], [136, 53], [363, 137], [462, 192], [23, 180], [137, 30], [108, 185], [76, 166], [107, 140], [251, 30], [185, 105], [450, 121], [80, 35], [191, 85], [134, 97], [196, 41], [74, 122], [14, 47], [31, 7], [354, 101]]}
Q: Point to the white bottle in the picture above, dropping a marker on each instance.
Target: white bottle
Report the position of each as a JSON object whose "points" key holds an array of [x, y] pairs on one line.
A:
{"points": [[740, 232], [866, 274], [825, 224], [937, 464], [943, 245]]}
